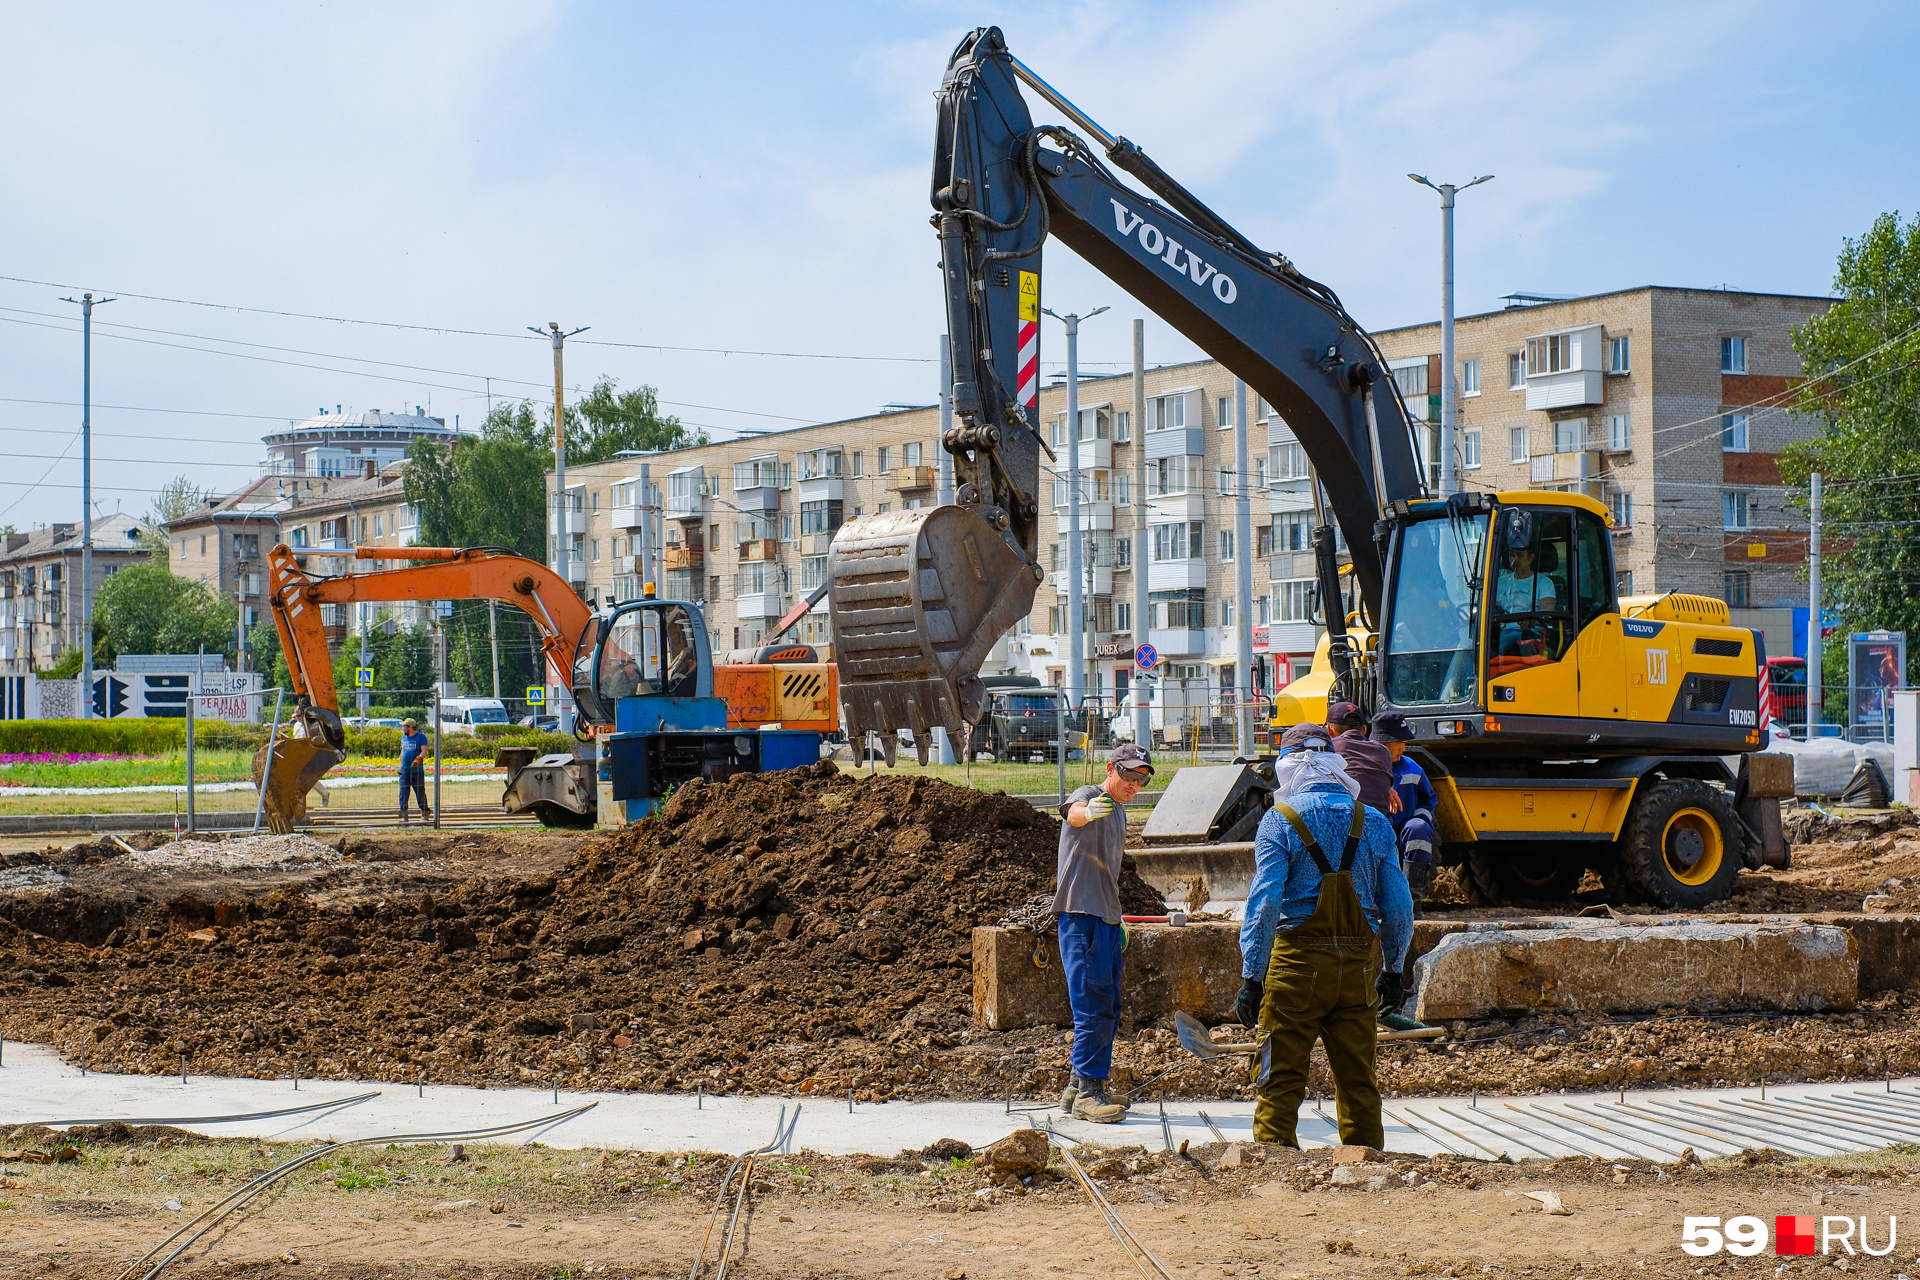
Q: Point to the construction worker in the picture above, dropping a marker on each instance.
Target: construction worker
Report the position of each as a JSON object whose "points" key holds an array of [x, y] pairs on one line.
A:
{"points": [[1368, 763], [1326, 877], [1413, 827], [413, 767], [1092, 939]]}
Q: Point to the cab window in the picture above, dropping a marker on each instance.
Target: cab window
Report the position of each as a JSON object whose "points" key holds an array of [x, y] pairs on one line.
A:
{"points": [[1593, 569], [648, 652], [1532, 613]]}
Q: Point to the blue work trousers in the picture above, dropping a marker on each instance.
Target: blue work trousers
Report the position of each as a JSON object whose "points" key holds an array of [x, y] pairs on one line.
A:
{"points": [[413, 777], [1091, 952]]}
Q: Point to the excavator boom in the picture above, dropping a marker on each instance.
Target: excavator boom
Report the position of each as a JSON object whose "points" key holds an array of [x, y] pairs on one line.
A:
{"points": [[918, 598]]}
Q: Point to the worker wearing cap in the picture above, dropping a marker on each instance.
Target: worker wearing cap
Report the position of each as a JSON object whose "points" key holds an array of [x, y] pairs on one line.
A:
{"points": [[413, 768], [1368, 763], [1326, 878], [1093, 839], [1413, 819]]}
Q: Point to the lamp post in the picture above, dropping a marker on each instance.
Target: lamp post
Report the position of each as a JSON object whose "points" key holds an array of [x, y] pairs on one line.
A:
{"points": [[87, 303], [1449, 472], [1076, 599]]}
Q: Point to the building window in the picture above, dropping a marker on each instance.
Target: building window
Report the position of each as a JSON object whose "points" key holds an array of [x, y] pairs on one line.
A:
{"points": [[1733, 432], [1059, 431], [1470, 448], [1286, 461], [1470, 378], [756, 473], [813, 572], [1620, 354], [1166, 412], [1517, 445], [1736, 509], [1570, 435], [859, 464], [886, 458], [1412, 381], [1226, 482], [1293, 600], [1171, 475], [1262, 610], [1621, 505], [820, 464], [1223, 411], [1262, 541], [1623, 583], [786, 528], [1123, 615], [1739, 588], [594, 550], [1226, 545], [819, 517], [203, 544], [1295, 531], [1183, 541], [1733, 355], [1122, 427], [910, 454], [1178, 610], [1226, 613], [1123, 553], [1551, 354], [1620, 432], [1516, 372], [1123, 489]]}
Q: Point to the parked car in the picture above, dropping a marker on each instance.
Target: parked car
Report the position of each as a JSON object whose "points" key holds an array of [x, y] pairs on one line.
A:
{"points": [[546, 724], [1024, 724]]}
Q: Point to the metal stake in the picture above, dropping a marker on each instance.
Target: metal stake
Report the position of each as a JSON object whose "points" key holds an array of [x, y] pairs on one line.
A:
{"points": [[700, 1097]]}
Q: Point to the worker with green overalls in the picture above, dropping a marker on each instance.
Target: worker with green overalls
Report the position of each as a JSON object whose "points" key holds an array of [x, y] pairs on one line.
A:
{"points": [[1326, 877]]}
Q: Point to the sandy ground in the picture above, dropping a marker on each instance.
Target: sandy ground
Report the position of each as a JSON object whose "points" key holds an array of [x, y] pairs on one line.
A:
{"points": [[513, 1212]]}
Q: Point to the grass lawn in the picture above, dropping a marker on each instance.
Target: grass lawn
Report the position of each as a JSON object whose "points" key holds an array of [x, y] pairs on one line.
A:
{"points": [[171, 770], [383, 796], [1014, 779]]}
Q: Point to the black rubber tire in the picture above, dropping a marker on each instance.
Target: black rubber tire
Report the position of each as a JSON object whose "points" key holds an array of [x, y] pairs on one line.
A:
{"points": [[1525, 873], [1681, 843]]}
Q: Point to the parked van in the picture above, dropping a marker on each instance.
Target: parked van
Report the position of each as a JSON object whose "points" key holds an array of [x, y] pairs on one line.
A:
{"points": [[464, 715]]}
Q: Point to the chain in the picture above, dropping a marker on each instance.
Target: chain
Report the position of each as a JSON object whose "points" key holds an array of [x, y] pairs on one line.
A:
{"points": [[1035, 914]]}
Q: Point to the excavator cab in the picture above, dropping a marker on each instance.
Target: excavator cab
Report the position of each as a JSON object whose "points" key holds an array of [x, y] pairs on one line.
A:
{"points": [[653, 649]]}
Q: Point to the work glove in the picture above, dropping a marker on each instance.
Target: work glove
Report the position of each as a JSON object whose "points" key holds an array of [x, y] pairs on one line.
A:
{"points": [[1247, 1006], [1099, 807], [1392, 991]]}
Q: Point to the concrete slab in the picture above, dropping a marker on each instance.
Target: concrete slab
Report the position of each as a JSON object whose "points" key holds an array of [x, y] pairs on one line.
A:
{"points": [[1018, 981], [37, 1086], [1596, 966]]}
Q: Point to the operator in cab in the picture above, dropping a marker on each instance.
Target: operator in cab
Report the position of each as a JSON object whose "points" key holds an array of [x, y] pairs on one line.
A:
{"points": [[1326, 878], [1093, 839]]}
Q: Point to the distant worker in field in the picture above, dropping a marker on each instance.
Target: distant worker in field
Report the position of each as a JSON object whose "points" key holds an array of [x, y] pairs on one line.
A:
{"points": [[1413, 826], [413, 767], [1306, 951], [1092, 939]]}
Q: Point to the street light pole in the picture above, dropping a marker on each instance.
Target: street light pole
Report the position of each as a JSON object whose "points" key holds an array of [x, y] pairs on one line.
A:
{"points": [[1449, 469], [87, 303], [1076, 598], [559, 339]]}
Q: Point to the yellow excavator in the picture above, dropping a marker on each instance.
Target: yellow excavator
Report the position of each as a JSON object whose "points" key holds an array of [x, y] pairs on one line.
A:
{"points": [[1565, 729]]}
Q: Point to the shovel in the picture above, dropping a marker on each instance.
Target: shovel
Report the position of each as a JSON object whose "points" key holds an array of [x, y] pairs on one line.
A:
{"points": [[1196, 1040]]}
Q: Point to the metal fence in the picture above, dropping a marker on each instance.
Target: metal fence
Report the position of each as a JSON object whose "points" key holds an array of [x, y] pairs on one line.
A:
{"points": [[1860, 713]]}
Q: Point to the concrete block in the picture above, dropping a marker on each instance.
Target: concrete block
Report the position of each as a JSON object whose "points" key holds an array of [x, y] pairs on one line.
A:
{"points": [[1889, 948], [1018, 982], [1598, 967]]}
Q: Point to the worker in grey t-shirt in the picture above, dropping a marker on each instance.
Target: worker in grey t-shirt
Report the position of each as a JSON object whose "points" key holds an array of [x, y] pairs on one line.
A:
{"points": [[1093, 840]]}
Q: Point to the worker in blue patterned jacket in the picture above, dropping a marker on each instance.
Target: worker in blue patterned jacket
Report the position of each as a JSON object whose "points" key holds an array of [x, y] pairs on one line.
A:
{"points": [[1326, 877], [1413, 826]]}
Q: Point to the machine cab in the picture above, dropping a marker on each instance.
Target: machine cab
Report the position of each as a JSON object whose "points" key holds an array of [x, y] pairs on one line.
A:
{"points": [[1483, 591], [649, 649]]}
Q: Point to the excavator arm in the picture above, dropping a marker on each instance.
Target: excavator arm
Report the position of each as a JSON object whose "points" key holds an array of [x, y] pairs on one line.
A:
{"points": [[919, 597], [446, 573]]}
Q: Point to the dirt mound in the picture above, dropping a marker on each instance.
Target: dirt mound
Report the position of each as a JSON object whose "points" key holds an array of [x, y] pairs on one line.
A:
{"points": [[731, 940]]}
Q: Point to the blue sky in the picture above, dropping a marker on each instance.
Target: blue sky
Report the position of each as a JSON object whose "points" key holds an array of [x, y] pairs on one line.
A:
{"points": [[753, 177]]}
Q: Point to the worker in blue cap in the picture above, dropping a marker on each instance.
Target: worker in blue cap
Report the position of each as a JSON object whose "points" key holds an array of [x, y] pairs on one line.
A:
{"points": [[1413, 827]]}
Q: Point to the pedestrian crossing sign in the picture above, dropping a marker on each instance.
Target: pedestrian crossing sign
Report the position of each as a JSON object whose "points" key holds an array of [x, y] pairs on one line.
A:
{"points": [[363, 677], [536, 695]]}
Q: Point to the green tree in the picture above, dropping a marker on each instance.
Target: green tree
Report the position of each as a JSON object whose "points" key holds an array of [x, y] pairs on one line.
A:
{"points": [[608, 420], [143, 608], [176, 498], [1862, 360], [485, 492]]}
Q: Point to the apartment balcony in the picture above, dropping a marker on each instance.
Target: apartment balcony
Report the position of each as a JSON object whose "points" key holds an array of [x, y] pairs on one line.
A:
{"points": [[821, 489], [630, 516], [764, 498], [1563, 468], [759, 549], [1165, 507], [1176, 575], [757, 604], [576, 522], [911, 479], [1093, 515], [1173, 442], [1102, 579], [681, 557], [686, 506], [1095, 455], [815, 544], [576, 568], [1178, 642], [1294, 496]]}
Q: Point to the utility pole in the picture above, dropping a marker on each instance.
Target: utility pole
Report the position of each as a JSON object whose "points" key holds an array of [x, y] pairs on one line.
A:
{"points": [[648, 584], [1816, 630], [1142, 716], [1243, 560], [87, 302], [363, 696], [561, 542], [493, 641], [1076, 596], [1449, 469]]}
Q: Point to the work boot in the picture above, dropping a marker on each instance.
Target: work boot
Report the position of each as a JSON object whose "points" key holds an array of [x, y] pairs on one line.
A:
{"points": [[1068, 1094], [1094, 1106], [403, 817]]}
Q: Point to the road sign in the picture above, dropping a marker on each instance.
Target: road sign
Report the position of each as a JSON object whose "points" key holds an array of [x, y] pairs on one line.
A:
{"points": [[363, 677], [536, 695], [1145, 655]]}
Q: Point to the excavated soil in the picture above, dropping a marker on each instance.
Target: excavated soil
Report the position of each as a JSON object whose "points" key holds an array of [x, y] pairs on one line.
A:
{"points": [[799, 933]]}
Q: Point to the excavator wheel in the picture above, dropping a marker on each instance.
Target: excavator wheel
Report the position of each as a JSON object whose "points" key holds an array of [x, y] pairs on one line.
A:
{"points": [[1681, 844], [1524, 873]]}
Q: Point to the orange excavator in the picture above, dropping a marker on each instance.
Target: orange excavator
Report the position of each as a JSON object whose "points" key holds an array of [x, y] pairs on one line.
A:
{"points": [[787, 687]]}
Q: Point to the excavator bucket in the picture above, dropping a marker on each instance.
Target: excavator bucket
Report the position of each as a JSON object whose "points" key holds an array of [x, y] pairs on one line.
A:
{"points": [[297, 763], [918, 600]]}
